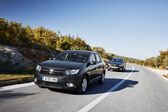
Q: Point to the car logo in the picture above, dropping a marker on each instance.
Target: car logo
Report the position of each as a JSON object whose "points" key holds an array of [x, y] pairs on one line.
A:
{"points": [[51, 71]]}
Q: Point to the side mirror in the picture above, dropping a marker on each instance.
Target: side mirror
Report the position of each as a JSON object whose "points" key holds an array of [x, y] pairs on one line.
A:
{"points": [[92, 62]]}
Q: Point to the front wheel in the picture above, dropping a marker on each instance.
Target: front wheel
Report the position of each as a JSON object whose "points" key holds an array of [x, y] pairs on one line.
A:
{"points": [[123, 69], [83, 86]]}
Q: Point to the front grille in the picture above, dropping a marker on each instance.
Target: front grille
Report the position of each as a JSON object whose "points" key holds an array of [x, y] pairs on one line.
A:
{"points": [[51, 84], [115, 65], [56, 72]]}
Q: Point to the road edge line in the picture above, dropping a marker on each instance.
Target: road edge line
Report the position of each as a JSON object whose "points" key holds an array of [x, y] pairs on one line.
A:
{"points": [[16, 86]]}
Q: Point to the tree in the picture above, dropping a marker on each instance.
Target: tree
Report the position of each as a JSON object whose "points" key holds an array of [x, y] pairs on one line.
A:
{"points": [[64, 43], [45, 37], [165, 61], [79, 44], [4, 35]]}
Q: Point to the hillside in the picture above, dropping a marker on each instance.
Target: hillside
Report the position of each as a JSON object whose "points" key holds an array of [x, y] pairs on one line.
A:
{"points": [[23, 47], [16, 59]]}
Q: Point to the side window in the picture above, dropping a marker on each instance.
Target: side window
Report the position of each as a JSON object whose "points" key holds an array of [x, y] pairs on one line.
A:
{"points": [[98, 58], [92, 58]]}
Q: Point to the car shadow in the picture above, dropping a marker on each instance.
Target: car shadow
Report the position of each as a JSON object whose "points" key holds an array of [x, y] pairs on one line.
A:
{"points": [[126, 71], [109, 83]]}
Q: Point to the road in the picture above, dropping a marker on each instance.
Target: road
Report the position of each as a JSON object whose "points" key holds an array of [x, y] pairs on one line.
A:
{"points": [[136, 90]]}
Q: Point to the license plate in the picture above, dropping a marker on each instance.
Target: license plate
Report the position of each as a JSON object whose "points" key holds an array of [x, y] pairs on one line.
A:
{"points": [[49, 79]]}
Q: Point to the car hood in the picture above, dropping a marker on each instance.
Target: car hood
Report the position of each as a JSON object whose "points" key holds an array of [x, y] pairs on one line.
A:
{"points": [[61, 64]]}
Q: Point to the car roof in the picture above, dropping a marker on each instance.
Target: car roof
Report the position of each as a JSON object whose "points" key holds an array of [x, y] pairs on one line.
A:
{"points": [[86, 51]]}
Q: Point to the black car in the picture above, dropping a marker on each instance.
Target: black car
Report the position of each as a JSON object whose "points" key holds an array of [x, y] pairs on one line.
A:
{"points": [[72, 70], [117, 64]]}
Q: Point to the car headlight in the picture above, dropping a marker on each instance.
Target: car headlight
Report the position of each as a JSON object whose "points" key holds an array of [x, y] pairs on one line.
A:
{"points": [[72, 72], [38, 68]]}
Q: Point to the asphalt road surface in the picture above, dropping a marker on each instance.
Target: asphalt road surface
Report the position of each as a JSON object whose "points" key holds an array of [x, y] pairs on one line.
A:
{"points": [[136, 90]]}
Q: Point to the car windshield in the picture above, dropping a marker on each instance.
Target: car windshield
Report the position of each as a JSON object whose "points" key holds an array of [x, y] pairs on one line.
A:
{"points": [[80, 57], [117, 60]]}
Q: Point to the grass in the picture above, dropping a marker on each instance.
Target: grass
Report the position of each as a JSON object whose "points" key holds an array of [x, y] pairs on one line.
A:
{"points": [[7, 77]]}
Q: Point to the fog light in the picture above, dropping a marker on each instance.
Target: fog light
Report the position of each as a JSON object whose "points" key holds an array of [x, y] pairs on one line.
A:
{"points": [[70, 84]]}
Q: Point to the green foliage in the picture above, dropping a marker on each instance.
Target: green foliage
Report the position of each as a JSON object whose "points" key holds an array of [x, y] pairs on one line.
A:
{"points": [[103, 53], [165, 61], [79, 44], [45, 37], [160, 61], [64, 43], [99, 50], [13, 33]]}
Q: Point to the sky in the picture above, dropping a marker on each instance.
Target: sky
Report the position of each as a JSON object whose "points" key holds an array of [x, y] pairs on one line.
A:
{"points": [[133, 28]]}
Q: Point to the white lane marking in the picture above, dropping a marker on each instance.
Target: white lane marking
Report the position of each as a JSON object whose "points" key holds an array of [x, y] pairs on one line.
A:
{"points": [[100, 98], [16, 86]]}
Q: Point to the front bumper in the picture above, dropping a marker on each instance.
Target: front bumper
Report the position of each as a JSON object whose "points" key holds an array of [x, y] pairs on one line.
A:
{"points": [[116, 67], [62, 81]]}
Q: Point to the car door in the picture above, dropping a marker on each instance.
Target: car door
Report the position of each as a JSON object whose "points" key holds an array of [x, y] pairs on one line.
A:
{"points": [[91, 69], [99, 65]]}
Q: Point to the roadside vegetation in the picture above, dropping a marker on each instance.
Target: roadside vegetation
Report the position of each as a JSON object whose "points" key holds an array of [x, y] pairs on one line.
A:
{"points": [[7, 77], [39, 44], [34, 45], [160, 61], [17, 35]]}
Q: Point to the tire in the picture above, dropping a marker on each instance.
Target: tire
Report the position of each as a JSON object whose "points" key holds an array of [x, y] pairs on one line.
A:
{"points": [[123, 69], [101, 80], [52, 89], [83, 87], [40, 86]]}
